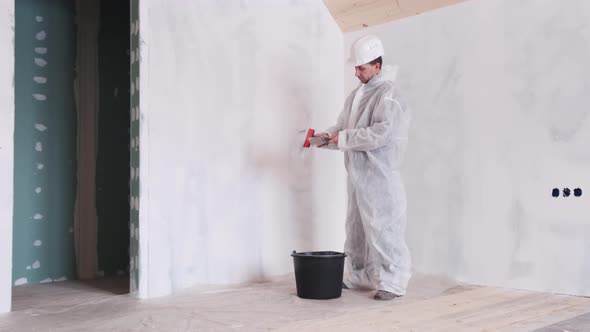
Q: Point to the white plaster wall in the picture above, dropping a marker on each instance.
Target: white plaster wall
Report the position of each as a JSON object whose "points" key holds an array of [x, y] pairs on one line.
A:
{"points": [[6, 149], [226, 193], [499, 91]]}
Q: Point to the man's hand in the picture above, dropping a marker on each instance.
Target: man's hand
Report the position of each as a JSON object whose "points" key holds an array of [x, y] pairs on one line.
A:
{"points": [[325, 135], [334, 139]]}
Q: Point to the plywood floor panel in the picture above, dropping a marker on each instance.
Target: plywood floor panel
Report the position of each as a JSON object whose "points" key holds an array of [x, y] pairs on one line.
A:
{"points": [[432, 304]]}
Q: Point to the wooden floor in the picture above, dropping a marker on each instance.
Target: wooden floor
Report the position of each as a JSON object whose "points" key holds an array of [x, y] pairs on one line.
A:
{"points": [[432, 304]]}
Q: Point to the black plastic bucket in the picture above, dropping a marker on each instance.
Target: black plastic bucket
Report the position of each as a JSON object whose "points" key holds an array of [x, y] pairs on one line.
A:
{"points": [[318, 274]]}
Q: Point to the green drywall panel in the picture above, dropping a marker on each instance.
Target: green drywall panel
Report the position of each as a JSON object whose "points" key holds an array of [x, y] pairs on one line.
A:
{"points": [[112, 168], [45, 141], [134, 155]]}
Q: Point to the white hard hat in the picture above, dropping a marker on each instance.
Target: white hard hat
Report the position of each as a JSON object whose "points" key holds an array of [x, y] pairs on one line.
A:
{"points": [[365, 50]]}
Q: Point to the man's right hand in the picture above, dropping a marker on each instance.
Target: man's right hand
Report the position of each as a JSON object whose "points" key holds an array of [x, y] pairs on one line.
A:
{"points": [[325, 135]]}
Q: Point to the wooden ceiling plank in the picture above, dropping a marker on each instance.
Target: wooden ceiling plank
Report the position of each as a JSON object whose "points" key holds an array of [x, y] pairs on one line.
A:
{"points": [[352, 15]]}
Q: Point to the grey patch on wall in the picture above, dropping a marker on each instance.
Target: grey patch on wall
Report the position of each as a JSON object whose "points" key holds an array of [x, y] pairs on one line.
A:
{"points": [[564, 135], [517, 216], [451, 79]]}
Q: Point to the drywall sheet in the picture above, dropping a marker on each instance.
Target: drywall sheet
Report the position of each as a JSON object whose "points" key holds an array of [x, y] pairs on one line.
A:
{"points": [[112, 160], [44, 142], [499, 94], [6, 150], [134, 61], [226, 192]]}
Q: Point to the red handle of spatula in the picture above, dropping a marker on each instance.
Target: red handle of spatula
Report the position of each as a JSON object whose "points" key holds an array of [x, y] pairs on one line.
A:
{"points": [[310, 133]]}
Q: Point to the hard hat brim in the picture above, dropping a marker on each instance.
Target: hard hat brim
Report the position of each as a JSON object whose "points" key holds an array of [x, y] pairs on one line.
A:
{"points": [[352, 62]]}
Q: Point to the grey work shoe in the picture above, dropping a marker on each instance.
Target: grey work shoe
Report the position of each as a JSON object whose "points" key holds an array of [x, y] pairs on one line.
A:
{"points": [[382, 295]]}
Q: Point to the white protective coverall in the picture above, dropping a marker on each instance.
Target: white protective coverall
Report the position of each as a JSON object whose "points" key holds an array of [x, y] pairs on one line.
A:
{"points": [[373, 134]]}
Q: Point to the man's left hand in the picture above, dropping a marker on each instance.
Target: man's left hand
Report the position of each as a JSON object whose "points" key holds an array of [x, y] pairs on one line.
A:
{"points": [[334, 139]]}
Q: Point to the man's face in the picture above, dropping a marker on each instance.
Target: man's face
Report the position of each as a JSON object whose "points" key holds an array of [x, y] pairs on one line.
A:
{"points": [[366, 72]]}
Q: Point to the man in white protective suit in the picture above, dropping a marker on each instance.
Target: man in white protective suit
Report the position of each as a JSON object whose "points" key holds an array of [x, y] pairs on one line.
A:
{"points": [[372, 131]]}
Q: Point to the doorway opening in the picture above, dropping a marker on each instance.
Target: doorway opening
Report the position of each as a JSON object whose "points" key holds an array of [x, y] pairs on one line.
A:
{"points": [[72, 145]]}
